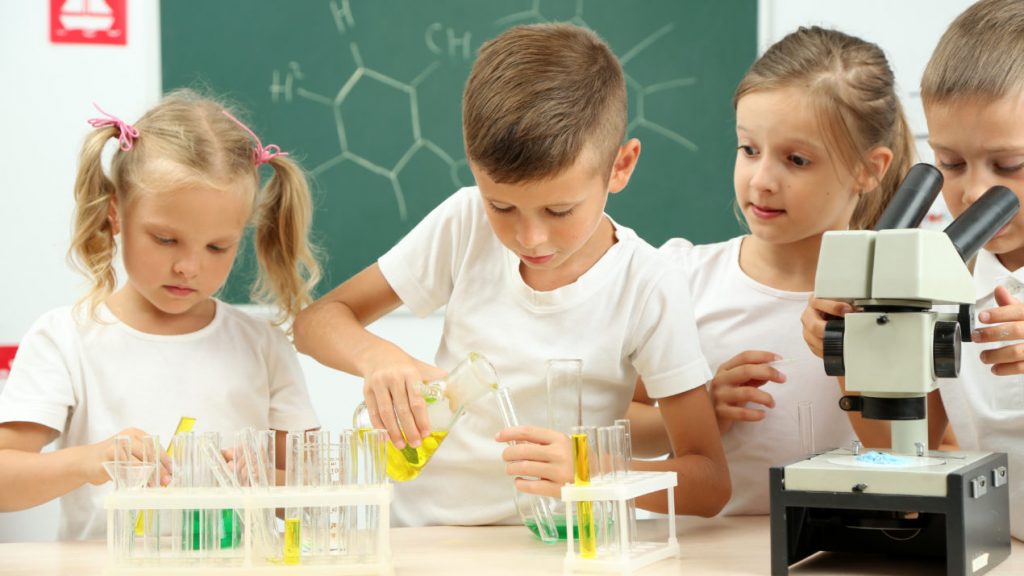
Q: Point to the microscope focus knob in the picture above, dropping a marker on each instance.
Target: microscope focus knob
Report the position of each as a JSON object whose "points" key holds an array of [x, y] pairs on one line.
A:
{"points": [[946, 349], [833, 347], [965, 316]]}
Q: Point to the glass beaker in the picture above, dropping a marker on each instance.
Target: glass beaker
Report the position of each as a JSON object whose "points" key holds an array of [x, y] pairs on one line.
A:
{"points": [[446, 400]]}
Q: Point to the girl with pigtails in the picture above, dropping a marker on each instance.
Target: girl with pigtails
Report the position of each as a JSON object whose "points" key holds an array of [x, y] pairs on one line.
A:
{"points": [[133, 356]]}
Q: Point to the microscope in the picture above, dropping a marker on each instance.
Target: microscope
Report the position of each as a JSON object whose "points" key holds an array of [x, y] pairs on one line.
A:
{"points": [[907, 500]]}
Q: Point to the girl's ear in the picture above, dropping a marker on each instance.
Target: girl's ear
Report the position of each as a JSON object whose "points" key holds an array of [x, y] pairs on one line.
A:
{"points": [[877, 163], [113, 217], [625, 162]]}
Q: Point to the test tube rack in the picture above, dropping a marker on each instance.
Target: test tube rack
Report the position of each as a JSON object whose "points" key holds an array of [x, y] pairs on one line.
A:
{"points": [[636, 555], [370, 556]]}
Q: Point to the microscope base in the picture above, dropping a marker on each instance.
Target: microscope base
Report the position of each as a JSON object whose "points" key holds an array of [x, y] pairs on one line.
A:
{"points": [[968, 525]]}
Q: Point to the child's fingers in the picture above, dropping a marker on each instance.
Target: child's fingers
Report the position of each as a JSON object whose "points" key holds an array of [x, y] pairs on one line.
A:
{"points": [[383, 416], [1004, 297], [1007, 313], [539, 487], [999, 332], [401, 395], [727, 412], [553, 474], [814, 330], [741, 395], [535, 452], [531, 434], [825, 308], [418, 407], [1011, 354], [747, 375], [1008, 369], [749, 357]]}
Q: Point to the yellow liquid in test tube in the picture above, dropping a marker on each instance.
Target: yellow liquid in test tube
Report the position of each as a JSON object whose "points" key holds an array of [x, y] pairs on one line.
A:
{"points": [[406, 464], [185, 424], [585, 510], [292, 540]]}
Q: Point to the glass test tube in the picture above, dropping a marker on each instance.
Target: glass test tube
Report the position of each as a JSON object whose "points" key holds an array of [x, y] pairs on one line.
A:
{"points": [[294, 463], [564, 382], [124, 524], [178, 481], [584, 510], [805, 423], [535, 511], [148, 523], [604, 511], [565, 395], [209, 519], [255, 468], [627, 458], [346, 462], [373, 464], [318, 461]]}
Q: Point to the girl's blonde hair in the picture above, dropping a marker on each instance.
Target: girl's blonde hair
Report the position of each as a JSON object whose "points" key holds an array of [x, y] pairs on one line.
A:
{"points": [[852, 89], [188, 140]]}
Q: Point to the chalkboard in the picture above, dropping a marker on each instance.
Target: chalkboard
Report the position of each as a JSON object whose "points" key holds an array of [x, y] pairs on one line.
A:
{"points": [[366, 94]]}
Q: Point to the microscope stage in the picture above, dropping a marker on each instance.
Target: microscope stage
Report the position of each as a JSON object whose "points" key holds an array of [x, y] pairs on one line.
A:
{"points": [[842, 471]]}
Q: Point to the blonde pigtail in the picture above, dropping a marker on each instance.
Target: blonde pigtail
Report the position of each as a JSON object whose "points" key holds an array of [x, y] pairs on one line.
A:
{"points": [[288, 268], [92, 243], [903, 157]]}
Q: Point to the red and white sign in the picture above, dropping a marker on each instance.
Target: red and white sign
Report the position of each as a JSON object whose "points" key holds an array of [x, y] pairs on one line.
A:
{"points": [[6, 359], [88, 22]]}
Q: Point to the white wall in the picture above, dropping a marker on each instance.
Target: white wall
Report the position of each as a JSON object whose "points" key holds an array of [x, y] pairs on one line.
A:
{"points": [[48, 99]]}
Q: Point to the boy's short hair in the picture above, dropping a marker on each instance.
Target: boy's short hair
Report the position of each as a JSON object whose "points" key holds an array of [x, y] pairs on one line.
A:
{"points": [[980, 56], [539, 96]]}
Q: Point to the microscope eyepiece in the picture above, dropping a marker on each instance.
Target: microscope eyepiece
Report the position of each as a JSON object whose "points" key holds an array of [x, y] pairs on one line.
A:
{"points": [[982, 220], [910, 204]]}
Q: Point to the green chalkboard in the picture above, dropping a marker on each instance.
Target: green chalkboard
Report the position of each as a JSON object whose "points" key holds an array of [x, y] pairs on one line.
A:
{"points": [[366, 94]]}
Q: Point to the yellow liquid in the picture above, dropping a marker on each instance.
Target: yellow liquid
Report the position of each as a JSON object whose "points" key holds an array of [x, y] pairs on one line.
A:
{"points": [[292, 540], [405, 464], [585, 510]]}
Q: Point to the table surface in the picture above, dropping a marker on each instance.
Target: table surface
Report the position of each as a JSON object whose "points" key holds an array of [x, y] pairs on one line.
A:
{"points": [[731, 545]]}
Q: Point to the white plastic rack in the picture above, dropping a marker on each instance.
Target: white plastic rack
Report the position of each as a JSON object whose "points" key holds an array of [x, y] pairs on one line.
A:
{"points": [[633, 555], [354, 546]]}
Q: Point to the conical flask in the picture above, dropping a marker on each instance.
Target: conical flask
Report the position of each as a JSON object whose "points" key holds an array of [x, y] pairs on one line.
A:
{"points": [[446, 401]]}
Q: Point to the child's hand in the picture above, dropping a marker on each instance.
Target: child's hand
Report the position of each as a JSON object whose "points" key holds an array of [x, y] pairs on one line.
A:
{"points": [[1009, 320], [393, 398], [542, 454], [96, 454], [737, 383], [815, 317]]}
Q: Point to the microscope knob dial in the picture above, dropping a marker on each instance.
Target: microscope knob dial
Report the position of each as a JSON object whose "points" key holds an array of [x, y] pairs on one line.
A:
{"points": [[833, 347], [966, 319], [946, 349]]}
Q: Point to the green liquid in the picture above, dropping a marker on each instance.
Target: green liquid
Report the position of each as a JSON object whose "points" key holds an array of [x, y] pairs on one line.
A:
{"points": [[559, 526], [531, 524], [230, 533]]}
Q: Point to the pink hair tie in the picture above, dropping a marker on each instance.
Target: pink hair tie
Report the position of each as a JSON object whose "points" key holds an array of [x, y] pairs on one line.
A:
{"points": [[261, 154], [127, 134]]}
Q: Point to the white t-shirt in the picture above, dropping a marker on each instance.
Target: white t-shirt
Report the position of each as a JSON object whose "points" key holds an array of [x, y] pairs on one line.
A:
{"points": [[735, 313], [91, 379], [987, 411], [627, 316]]}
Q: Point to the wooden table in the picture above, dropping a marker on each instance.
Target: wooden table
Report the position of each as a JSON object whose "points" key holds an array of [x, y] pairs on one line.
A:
{"points": [[728, 546]]}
